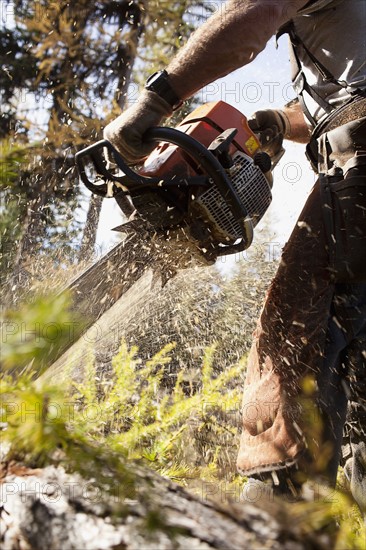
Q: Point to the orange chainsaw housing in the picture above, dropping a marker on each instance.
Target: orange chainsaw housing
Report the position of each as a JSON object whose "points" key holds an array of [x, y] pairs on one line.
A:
{"points": [[204, 124]]}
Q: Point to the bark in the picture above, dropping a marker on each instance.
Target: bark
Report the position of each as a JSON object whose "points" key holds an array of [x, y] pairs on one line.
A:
{"points": [[49, 509], [90, 227]]}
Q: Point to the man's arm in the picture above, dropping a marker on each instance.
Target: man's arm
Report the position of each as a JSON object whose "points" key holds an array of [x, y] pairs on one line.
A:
{"points": [[299, 130], [229, 39]]}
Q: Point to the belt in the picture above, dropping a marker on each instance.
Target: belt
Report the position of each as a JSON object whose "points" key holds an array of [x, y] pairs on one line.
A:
{"points": [[351, 110]]}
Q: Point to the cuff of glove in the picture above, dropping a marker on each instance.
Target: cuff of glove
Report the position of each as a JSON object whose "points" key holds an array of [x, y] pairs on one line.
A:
{"points": [[284, 124], [152, 101]]}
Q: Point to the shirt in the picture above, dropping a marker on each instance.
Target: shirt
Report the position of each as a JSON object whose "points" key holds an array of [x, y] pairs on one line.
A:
{"points": [[335, 33]]}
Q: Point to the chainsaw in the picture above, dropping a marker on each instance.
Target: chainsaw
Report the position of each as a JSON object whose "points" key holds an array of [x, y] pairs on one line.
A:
{"points": [[207, 181]]}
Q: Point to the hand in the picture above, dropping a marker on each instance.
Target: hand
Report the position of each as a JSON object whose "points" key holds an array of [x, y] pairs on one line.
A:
{"points": [[126, 131], [271, 127]]}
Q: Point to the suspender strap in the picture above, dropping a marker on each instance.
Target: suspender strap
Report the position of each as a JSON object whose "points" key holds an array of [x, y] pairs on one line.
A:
{"points": [[322, 70], [299, 80]]}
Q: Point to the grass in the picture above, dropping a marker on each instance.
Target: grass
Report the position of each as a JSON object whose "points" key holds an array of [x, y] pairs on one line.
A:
{"points": [[187, 432]]}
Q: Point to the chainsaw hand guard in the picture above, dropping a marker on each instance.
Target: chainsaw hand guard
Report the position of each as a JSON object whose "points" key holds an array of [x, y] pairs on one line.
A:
{"points": [[105, 182]]}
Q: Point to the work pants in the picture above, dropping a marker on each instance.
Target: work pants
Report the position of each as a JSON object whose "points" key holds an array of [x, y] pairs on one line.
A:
{"points": [[308, 358]]}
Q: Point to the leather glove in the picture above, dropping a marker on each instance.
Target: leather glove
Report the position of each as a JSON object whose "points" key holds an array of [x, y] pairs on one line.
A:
{"points": [[126, 131], [271, 127]]}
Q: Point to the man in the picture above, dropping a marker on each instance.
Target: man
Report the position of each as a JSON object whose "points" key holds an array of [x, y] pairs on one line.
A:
{"points": [[308, 358]]}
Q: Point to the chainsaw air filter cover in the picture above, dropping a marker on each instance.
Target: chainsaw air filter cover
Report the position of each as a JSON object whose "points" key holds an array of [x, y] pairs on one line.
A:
{"points": [[253, 190]]}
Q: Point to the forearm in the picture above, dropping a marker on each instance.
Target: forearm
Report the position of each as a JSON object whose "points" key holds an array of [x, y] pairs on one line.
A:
{"points": [[230, 39], [299, 130]]}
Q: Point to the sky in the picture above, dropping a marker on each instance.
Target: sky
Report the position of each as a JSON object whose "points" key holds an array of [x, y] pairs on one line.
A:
{"points": [[264, 84]]}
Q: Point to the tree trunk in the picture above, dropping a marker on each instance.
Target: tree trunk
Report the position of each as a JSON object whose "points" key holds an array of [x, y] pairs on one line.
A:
{"points": [[33, 231], [90, 228], [48, 508], [128, 53]]}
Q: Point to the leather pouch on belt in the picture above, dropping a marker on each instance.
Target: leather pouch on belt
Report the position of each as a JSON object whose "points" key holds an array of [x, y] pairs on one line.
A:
{"points": [[344, 201]]}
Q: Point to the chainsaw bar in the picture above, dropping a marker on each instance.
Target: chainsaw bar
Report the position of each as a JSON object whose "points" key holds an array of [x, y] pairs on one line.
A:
{"points": [[142, 249]]}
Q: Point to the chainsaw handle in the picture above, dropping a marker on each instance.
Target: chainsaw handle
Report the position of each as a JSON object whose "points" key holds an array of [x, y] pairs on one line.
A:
{"points": [[95, 153]]}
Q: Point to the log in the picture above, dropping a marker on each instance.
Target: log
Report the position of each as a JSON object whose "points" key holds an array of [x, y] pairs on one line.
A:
{"points": [[48, 508]]}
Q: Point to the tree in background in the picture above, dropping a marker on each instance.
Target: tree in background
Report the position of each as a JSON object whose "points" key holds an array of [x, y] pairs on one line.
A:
{"points": [[67, 68]]}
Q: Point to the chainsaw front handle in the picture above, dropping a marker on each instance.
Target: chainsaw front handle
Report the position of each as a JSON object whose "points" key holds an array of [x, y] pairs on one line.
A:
{"points": [[107, 188], [111, 184]]}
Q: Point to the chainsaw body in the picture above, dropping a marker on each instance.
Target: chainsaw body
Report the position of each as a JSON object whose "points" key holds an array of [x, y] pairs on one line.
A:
{"points": [[207, 177]]}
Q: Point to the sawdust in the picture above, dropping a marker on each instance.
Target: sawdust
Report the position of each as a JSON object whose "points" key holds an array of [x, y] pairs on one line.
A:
{"points": [[151, 291], [196, 308]]}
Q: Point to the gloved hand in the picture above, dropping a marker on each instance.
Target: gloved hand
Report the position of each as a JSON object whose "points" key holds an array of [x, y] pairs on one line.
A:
{"points": [[126, 131], [271, 127]]}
